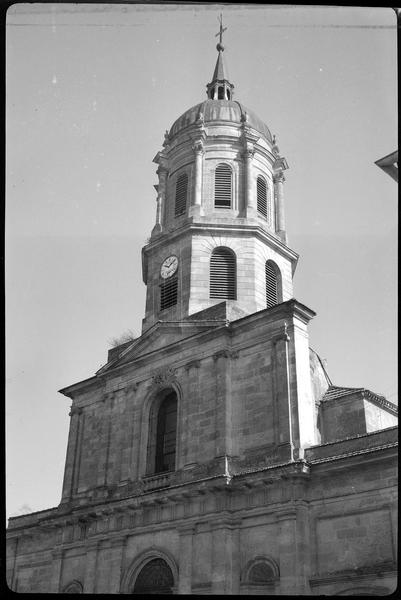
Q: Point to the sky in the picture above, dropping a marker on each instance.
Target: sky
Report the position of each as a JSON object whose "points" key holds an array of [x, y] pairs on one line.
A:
{"points": [[90, 91]]}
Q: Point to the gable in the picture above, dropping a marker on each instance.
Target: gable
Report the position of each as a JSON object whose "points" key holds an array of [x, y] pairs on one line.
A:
{"points": [[159, 336]]}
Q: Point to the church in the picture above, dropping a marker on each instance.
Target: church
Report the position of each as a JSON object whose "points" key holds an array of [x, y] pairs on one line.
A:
{"points": [[213, 454]]}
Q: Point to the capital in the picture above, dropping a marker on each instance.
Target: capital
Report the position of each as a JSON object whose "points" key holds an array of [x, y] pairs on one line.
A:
{"points": [[75, 410], [198, 148], [162, 170], [279, 177]]}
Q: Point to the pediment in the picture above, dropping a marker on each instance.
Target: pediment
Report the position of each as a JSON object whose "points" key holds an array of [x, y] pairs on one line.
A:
{"points": [[160, 335]]}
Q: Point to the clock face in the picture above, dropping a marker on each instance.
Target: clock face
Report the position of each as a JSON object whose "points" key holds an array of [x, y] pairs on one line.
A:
{"points": [[169, 267]]}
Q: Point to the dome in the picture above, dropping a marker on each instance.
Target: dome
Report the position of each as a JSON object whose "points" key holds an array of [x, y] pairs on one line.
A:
{"points": [[220, 110]]}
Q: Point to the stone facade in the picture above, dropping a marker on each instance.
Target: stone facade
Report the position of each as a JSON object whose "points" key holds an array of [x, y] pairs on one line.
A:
{"points": [[282, 483], [250, 485]]}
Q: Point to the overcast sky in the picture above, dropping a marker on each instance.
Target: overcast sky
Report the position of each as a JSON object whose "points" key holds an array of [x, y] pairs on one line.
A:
{"points": [[91, 90]]}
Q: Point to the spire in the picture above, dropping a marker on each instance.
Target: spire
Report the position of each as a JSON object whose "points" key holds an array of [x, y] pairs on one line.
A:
{"points": [[220, 88]]}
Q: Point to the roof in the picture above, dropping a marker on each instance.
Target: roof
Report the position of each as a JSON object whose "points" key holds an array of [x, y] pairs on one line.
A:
{"points": [[220, 70], [221, 110], [334, 392]]}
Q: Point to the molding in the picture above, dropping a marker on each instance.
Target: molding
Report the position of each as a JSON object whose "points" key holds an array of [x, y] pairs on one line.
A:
{"points": [[353, 574], [195, 364], [225, 353]]}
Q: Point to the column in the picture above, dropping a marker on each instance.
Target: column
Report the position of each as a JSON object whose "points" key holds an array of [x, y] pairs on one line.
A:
{"points": [[249, 188], [57, 562], [185, 562], [224, 437], [294, 550], [162, 172], [195, 209], [279, 179], [225, 556], [286, 540], [72, 450], [116, 556], [90, 575], [282, 414]]}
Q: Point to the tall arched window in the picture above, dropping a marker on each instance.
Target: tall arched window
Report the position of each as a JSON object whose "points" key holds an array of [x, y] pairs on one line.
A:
{"points": [[166, 434], [223, 274], [223, 186], [154, 578], [261, 190], [181, 191], [273, 284]]}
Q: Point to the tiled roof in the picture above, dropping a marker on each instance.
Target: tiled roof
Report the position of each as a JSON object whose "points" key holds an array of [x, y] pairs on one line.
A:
{"points": [[335, 391]]}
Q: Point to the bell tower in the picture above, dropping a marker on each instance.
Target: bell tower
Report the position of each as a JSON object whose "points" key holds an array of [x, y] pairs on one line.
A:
{"points": [[220, 227]]}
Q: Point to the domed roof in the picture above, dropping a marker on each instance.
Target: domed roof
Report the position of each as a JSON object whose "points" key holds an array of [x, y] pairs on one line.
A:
{"points": [[220, 110]]}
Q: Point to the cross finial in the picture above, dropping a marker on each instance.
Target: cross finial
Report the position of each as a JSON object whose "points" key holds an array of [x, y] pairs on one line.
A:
{"points": [[220, 33]]}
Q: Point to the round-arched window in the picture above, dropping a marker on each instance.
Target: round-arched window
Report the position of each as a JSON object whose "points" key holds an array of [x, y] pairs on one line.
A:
{"points": [[155, 577], [261, 573], [223, 274]]}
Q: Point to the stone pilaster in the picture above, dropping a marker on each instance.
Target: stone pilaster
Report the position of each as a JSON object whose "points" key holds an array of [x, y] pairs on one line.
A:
{"points": [[73, 451], [225, 556], [250, 200], [196, 208], [90, 575], [116, 559], [57, 564], [224, 437], [162, 172], [294, 548], [191, 395], [282, 418], [278, 180], [185, 562]]}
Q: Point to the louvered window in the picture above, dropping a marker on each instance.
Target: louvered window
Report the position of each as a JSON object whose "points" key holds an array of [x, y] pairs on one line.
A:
{"points": [[181, 191], [166, 434], [223, 274], [223, 186], [168, 293], [272, 284], [261, 190]]}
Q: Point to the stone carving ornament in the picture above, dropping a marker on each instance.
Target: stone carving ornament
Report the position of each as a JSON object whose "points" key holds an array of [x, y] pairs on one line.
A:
{"points": [[164, 377]]}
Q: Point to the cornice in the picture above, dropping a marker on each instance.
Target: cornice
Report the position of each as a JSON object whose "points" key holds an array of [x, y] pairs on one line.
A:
{"points": [[70, 390], [230, 229]]}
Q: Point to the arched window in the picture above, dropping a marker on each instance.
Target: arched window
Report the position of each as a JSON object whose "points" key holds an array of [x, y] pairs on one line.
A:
{"points": [[181, 191], [261, 573], [261, 190], [165, 434], [273, 284], [260, 577], [223, 186], [223, 274], [155, 577]]}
